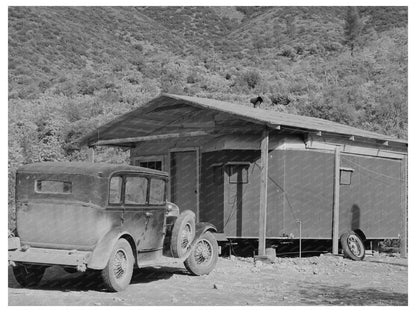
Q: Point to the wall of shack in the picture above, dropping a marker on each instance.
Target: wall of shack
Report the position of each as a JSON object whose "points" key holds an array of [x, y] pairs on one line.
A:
{"points": [[372, 201], [300, 187]]}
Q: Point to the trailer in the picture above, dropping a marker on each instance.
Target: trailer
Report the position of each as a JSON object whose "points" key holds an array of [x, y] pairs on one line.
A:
{"points": [[269, 176]]}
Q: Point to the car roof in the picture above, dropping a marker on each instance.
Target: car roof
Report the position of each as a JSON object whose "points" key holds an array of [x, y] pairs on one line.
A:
{"points": [[85, 168]]}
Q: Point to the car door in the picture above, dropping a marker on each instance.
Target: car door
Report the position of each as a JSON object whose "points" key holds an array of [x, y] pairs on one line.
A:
{"points": [[155, 213], [133, 190]]}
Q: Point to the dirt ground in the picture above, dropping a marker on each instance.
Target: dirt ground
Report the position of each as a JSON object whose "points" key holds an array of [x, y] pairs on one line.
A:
{"points": [[324, 280]]}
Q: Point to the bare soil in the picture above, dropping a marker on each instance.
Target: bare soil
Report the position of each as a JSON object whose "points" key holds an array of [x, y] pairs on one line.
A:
{"points": [[324, 280]]}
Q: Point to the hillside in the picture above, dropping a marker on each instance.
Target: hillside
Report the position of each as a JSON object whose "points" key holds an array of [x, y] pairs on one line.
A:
{"points": [[46, 44], [73, 68]]}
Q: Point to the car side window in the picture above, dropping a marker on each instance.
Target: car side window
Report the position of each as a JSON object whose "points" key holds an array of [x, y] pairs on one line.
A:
{"points": [[157, 192], [136, 190], [115, 190]]}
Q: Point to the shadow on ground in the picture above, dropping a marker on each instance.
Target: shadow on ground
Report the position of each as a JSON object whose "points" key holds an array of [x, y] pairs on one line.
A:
{"points": [[343, 295], [389, 263], [56, 278]]}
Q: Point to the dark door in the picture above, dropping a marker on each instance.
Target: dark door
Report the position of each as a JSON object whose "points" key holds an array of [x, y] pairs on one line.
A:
{"points": [[184, 180]]}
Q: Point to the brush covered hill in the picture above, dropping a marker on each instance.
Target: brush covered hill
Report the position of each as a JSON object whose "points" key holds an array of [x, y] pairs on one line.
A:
{"points": [[73, 68]]}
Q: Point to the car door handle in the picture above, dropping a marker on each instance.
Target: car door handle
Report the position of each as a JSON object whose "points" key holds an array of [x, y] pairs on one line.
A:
{"points": [[148, 214]]}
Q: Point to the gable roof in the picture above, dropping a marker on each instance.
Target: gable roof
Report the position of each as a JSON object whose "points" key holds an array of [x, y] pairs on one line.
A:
{"points": [[257, 116]]}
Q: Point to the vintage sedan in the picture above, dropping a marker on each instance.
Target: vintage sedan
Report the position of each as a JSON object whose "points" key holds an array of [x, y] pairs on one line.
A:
{"points": [[97, 216]]}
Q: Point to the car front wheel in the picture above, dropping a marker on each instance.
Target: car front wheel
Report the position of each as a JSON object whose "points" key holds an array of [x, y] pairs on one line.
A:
{"points": [[204, 255], [119, 270], [183, 233], [28, 276]]}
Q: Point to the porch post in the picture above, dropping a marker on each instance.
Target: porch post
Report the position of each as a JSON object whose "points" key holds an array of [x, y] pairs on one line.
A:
{"points": [[335, 214], [403, 201], [91, 154], [263, 191]]}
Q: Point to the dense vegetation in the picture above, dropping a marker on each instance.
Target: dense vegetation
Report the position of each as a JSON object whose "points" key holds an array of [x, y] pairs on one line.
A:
{"points": [[71, 69]]}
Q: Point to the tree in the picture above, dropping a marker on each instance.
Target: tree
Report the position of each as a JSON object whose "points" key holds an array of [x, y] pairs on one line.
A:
{"points": [[290, 27], [352, 28], [258, 42], [277, 33]]}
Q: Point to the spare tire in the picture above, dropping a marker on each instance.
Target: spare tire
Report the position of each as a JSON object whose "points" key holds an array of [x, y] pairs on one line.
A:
{"points": [[183, 233], [352, 246]]}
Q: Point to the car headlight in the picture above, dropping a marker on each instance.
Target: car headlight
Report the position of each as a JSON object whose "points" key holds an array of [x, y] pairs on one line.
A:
{"points": [[172, 210]]}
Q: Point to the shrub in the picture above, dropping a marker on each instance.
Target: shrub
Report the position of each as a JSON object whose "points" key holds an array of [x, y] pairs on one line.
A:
{"points": [[252, 78], [192, 78], [288, 51], [138, 47], [138, 62]]}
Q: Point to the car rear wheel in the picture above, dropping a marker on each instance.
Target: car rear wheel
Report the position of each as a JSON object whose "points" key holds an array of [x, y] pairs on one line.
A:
{"points": [[28, 276], [119, 270], [353, 246], [183, 233], [204, 255]]}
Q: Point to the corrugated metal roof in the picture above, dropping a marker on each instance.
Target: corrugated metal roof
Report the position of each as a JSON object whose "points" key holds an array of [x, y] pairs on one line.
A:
{"points": [[255, 115]]}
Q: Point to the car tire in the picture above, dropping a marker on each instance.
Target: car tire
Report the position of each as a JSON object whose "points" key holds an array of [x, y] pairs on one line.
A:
{"points": [[119, 269], [352, 246], [183, 234], [28, 276], [204, 255]]}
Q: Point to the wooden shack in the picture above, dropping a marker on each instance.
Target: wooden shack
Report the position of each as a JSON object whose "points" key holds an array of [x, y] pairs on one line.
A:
{"points": [[259, 174]]}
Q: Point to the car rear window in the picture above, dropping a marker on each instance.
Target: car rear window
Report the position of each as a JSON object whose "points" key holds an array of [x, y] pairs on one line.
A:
{"points": [[157, 192], [115, 190], [53, 187]]}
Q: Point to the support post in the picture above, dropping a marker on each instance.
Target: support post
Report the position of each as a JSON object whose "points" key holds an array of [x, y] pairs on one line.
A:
{"points": [[403, 201], [91, 154], [263, 191], [335, 213], [300, 237]]}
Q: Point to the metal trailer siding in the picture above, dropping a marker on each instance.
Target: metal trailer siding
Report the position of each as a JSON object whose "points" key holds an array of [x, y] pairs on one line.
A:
{"points": [[308, 186], [300, 187], [372, 201]]}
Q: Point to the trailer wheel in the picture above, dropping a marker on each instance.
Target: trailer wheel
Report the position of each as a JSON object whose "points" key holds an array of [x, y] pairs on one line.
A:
{"points": [[204, 255], [119, 269], [28, 276], [183, 233], [353, 246]]}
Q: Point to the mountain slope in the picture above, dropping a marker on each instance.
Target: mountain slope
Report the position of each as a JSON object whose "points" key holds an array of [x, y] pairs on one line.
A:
{"points": [[47, 43], [74, 68]]}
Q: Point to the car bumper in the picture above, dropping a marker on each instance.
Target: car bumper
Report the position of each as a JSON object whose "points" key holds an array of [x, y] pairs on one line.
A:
{"points": [[46, 256]]}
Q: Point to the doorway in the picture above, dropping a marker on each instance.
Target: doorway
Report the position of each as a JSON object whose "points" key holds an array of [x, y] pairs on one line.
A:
{"points": [[184, 183]]}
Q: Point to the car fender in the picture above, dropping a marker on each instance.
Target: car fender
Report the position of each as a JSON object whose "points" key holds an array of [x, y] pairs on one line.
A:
{"points": [[102, 250], [200, 228]]}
